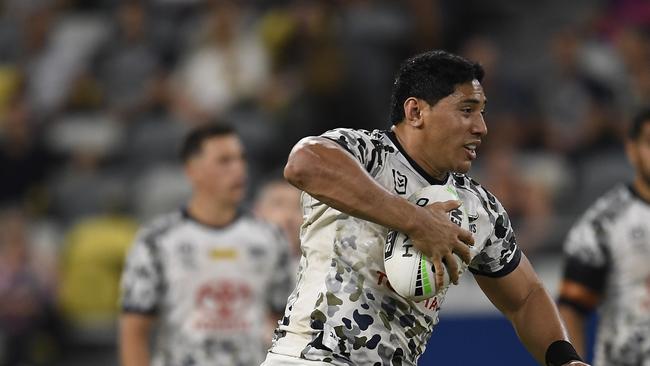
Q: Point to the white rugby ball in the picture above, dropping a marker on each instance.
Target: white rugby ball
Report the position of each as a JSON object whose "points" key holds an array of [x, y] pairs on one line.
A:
{"points": [[410, 273]]}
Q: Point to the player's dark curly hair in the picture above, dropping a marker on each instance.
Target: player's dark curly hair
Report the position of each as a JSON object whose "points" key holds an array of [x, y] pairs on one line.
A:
{"points": [[430, 76], [642, 117], [194, 139]]}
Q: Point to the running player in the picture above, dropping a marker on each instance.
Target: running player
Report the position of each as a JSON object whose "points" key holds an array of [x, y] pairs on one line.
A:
{"points": [[208, 276], [607, 254], [343, 311]]}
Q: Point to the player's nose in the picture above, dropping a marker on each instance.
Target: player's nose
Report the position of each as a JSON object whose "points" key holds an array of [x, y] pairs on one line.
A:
{"points": [[479, 127]]}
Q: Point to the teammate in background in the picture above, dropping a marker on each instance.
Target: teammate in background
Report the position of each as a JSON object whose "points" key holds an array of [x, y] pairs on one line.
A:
{"points": [[278, 202], [607, 254], [342, 310], [209, 275]]}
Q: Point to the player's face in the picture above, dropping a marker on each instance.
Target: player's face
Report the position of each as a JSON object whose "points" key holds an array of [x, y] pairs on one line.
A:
{"points": [[639, 154], [218, 171], [454, 128]]}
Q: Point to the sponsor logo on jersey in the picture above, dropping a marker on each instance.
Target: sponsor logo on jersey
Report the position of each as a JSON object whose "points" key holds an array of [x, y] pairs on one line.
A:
{"points": [[220, 305], [390, 244], [472, 222], [224, 254]]}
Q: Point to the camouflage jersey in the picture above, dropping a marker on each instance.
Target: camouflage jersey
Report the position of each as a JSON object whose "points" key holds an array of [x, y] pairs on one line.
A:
{"points": [[343, 311], [607, 251], [211, 288]]}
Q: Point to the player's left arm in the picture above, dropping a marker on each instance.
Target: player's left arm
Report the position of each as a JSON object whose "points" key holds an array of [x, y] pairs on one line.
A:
{"points": [[522, 298]]}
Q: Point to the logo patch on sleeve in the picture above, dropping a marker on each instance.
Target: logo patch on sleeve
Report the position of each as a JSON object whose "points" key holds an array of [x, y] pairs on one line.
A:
{"points": [[400, 182]]}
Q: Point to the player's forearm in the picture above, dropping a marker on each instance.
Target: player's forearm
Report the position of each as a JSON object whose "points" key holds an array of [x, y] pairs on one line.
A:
{"points": [[134, 351], [134, 343], [575, 325], [537, 323], [328, 173]]}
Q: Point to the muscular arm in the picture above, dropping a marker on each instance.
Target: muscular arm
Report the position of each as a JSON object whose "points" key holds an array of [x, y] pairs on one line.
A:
{"points": [[135, 330], [522, 298], [575, 324], [323, 169]]}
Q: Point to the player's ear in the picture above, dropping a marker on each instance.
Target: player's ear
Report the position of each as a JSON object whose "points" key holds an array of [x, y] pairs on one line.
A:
{"points": [[192, 170], [413, 111]]}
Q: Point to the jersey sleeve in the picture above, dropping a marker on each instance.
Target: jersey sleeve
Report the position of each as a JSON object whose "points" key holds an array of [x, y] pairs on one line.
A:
{"points": [[363, 145], [142, 282], [282, 276], [501, 255], [585, 264]]}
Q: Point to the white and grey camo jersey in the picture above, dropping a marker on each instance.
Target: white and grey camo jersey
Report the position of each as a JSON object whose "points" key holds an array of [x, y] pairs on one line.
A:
{"points": [[343, 310], [211, 288], [608, 251]]}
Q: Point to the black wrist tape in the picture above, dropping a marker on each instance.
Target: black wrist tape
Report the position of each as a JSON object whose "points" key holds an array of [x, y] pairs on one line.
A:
{"points": [[561, 352]]}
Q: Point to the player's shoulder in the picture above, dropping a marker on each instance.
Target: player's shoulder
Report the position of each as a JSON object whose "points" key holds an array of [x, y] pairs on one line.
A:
{"points": [[162, 224], [248, 220], [256, 226], [610, 205], [376, 133], [468, 184], [353, 136]]}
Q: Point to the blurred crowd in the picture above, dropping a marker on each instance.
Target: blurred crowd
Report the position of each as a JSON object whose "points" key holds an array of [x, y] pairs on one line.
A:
{"points": [[95, 97]]}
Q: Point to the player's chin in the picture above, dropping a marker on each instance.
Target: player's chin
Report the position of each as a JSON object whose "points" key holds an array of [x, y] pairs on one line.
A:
{"points": [[463, 166]]}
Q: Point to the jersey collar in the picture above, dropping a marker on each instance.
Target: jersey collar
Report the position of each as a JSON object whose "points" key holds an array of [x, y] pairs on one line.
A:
{"points": [[636, 194], [414, 164], [188, 216]]}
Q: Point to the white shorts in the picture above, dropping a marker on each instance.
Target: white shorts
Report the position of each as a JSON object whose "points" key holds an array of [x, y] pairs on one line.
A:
{"points": [[275, 359]]}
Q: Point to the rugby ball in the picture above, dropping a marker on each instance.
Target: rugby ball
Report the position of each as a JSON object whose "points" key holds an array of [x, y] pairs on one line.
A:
{"points": [[410, 273]]}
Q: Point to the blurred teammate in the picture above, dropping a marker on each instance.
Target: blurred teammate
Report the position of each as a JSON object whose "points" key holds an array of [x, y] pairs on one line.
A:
{"points": [[343, 311], [607, 255], [208, 275]]}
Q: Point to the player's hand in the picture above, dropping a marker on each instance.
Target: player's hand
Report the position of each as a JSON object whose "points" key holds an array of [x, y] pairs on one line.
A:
{"points": [[438, 238]]}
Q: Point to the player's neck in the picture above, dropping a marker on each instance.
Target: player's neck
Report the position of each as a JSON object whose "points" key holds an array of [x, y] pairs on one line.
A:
{"points": [[211, 213], [642, 188], [412, 148]]}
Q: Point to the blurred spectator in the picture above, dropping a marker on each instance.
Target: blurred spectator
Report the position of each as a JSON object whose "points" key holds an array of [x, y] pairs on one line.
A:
{"points": [[91, 265], [228, 64], [86, 184], [24, 159], [577, 107], [72, 40], [129, 63], [513, 113], [27, 324]]}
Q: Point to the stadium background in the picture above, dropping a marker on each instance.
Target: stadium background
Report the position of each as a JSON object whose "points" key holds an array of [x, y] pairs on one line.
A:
{"points": [[96, 95]]}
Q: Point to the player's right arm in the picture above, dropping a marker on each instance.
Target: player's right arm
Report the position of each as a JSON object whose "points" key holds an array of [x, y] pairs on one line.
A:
{"points": [[575, 324], [325, 170], [583, 279], [578, 299], [141, 296], [135, 331]]}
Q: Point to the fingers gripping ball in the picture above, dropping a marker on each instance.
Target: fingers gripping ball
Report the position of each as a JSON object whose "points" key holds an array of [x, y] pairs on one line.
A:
{"points": [[410, 273]]}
